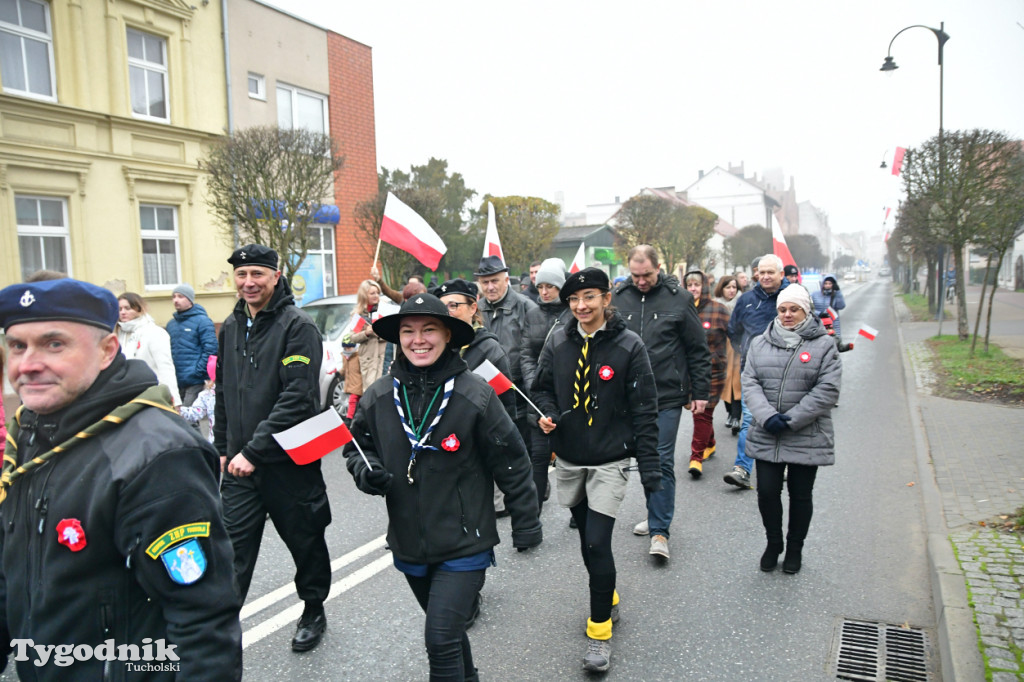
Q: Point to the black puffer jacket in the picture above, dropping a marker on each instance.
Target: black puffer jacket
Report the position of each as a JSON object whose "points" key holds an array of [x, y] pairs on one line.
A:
{"points": [[666, 319], [485, 346], [267, 380], [127, 487], [624, 401], [448, 512], [540, 325]]}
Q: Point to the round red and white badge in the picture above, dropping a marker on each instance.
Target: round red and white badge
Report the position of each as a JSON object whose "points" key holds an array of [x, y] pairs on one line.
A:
{"points": [[805, 357], [606, 372], [707, 325], [71, 534], [451, 443]]}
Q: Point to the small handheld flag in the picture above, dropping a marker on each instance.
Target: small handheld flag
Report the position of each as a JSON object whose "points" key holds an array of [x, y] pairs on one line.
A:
{"points": [[317, 437], [869, 332], [489, 373]]}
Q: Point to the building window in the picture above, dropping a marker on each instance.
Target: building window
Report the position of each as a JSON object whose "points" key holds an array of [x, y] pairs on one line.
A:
{"points": [[26, 48], [298, 108], [159, 230], [257, 86], [147, 75], [42, 234]]}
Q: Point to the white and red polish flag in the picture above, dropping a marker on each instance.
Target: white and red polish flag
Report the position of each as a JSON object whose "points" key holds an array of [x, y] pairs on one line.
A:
{"points": [[492, 245], [361, 323], [832, 312], [869, 332], [489, 373], [897, 160], [779, 246], [314, 438], [579, 261], [404, 229]]}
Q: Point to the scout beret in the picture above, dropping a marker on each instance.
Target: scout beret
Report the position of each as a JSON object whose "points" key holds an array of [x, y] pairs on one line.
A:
{"points": [[587, 278], [457, 286], [254, 254], [58, 300]]}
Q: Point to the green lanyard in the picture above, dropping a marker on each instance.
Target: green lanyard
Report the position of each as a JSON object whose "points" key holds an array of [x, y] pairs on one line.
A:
{"points": [[408, 408]]}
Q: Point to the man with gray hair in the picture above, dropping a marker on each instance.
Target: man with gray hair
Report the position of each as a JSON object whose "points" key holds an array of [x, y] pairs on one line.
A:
{"points": [[751, 315]]}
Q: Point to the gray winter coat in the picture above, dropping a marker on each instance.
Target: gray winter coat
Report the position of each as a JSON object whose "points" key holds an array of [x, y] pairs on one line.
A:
{"points": [[802, 382]]}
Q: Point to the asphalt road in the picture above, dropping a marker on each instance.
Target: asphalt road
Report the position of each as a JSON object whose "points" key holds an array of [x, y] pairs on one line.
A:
{"points": [[707, 614]]}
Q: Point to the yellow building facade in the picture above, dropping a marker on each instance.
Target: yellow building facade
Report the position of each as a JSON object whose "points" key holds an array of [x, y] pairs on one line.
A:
{"points": [[106, 108]]}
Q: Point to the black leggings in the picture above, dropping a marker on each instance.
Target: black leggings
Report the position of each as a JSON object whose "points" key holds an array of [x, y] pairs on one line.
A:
{"points": [[800, 484], [447, 598], [596, 547], [540, 458]]}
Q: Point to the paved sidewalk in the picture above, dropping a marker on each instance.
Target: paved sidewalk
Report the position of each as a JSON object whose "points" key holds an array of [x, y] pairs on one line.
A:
{"points": [[975, 455]]}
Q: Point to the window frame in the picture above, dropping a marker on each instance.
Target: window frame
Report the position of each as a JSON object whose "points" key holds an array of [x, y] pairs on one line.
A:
{"points": [[294, 92], [41, 231], [147, 66], [161, 235], [24, 33], [261, 86]]}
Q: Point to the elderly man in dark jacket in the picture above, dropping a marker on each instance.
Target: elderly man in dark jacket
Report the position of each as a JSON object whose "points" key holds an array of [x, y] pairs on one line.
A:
{"points": [[662, 313], [751, 315], [111, 538], [268, 366]]}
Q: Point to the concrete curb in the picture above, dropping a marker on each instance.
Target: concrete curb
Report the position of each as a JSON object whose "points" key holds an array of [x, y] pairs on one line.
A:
{"points": [[956, 632]]}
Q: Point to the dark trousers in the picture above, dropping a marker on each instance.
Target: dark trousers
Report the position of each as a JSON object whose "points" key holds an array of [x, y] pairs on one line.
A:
{"points": [[800, 484], [190, 393], [447, 598], [296, 499], [540, 458], [596, 546]]}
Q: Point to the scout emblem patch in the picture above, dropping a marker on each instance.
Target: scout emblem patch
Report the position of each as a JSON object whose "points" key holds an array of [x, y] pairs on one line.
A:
{"points": [[71, 534], [181, 553], [185, 563]]}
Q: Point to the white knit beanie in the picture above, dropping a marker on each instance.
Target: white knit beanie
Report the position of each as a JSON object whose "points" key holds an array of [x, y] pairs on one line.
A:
{"points": [[552, 271], [795, 293]]}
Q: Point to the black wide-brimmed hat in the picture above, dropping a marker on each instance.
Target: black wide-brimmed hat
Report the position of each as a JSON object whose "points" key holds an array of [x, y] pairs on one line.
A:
{"points": [[424, 305], [587, 278], [490, 265], [457, 286]]}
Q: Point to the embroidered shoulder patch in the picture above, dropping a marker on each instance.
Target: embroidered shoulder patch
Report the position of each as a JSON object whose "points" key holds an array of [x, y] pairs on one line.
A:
{"points": [[295, 358], [185, 563], [176, 535]]}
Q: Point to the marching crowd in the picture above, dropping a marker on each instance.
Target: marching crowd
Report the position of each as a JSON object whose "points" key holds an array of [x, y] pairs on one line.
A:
{"points": [[148, 530]]}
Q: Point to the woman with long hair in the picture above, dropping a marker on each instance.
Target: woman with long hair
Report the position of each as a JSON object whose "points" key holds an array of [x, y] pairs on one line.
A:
{"points": [[371, 348], [727, 292], [143, 339], [790, 385], [595, 387], [435, 440]]}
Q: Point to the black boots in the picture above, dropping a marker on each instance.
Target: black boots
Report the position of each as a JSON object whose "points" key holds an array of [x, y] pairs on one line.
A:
{"points": [[770, 558], [310, 628], [791, 563]]}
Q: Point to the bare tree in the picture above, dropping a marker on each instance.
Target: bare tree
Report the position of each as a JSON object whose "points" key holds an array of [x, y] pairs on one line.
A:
{"points": [[267, 184], [679, 233]]}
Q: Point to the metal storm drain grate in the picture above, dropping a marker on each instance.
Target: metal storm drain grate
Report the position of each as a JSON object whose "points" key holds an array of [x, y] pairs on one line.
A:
{"points": [[881, 652]]}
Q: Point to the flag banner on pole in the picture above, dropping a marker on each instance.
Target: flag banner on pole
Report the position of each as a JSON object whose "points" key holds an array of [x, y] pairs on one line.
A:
{"points": [[578, 262], [869, 332], [404, 229], [897, 160], [314, 438], [498, 381], [492, 245], [779, 246]]}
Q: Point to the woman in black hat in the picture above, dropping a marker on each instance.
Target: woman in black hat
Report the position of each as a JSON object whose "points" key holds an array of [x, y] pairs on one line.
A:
{"points": [[436, 438], [595, 386]]}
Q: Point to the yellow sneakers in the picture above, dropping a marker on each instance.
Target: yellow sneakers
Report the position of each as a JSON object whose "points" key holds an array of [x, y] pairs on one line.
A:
{"points": [[696, 468], [709, 452]]}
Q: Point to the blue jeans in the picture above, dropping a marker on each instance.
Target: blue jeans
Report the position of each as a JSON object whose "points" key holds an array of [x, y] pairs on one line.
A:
{"points": [[661, 506], [741, 444]]}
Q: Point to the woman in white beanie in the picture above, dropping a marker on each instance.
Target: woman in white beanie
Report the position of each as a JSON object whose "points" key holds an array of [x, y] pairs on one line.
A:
{"points": [[790, 384]]}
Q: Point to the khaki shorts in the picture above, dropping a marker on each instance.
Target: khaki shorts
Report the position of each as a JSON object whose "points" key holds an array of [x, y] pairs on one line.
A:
{"points": [[604, 485]]}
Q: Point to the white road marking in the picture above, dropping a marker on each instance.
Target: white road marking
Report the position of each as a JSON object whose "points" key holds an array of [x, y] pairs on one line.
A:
{"points": [[292, 613]]}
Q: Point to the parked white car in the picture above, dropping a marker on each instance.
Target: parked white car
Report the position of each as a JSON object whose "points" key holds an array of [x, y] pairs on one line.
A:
{"points": [[333, 317]]}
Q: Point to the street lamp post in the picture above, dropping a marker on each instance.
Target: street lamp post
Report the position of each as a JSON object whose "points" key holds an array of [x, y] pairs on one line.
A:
{"points": [[889, 65]]}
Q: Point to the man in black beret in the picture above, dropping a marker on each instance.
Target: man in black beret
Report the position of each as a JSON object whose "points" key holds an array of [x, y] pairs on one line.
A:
{"points": [[504, 312], [268, 366], [113, 496]]}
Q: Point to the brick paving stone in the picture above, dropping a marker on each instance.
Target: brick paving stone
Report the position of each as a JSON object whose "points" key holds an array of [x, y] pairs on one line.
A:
{"points": [[1004, 677]]}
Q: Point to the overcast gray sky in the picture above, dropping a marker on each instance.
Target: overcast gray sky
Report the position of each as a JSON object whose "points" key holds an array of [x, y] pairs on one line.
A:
{"points": [[600, 99]]}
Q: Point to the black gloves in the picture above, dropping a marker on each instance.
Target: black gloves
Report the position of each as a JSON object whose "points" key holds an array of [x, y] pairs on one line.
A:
{"points": [[651, 480], [777, 423], [375, 481]]}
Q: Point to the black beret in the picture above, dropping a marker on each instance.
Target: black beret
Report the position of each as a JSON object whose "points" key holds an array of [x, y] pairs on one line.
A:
{"points": [[424, 305], [457, 286], [254, 254], [587, 278], [58, 300], [490, 265]]}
